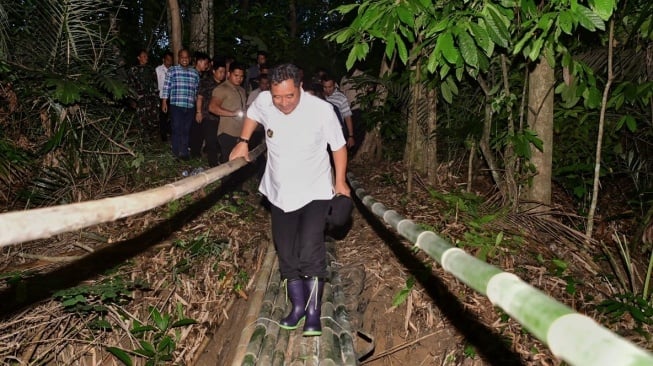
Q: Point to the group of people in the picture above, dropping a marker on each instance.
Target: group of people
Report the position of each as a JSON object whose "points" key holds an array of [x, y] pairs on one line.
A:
{"points": [[201, 102], [308, 129]]}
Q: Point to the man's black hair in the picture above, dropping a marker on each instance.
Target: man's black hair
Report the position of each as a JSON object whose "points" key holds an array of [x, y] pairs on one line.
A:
{"points": [[201, 56], [285, 72], [261, 53], [218, 62], [168, 53], [236, 66], [328, 77]]}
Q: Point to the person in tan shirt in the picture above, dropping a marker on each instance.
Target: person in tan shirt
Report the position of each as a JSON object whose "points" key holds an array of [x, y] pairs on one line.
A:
{"points": [[229, 102]]}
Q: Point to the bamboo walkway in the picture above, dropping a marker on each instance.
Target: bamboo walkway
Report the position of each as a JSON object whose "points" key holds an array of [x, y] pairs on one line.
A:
{"points": [[264, 343]]}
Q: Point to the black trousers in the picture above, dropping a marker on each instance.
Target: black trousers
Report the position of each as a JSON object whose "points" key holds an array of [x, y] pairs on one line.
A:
{"points": [[205, 133], [299, 240], [164, 125], [226, 143]]}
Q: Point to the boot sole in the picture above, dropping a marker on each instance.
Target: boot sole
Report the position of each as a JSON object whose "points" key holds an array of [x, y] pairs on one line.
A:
{"points": [[312, 333], [292, 327]]}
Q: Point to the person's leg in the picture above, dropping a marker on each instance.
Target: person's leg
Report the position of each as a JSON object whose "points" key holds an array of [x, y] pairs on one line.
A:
{"points": [[187, 121], [176, 117], [164, 125], [312, 262], [284, 235], [227, 143], [211, 138], [312, 257], [196, 138]]}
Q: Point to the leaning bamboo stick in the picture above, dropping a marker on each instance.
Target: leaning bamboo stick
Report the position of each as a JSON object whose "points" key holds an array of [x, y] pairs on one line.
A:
{"points": [[20, 226]]}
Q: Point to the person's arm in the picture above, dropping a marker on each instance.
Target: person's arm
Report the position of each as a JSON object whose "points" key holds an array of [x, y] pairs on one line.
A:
{"points": [[198, 108], [166, 92], [215, 107], [242, 148], [351, 142], [340, 165]]}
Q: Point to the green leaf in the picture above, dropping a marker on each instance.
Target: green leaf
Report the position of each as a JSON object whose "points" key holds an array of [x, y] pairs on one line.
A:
{"points": [[493, 31], [566, 21], [452, 85], [444, 70], [482, 38], [536, 47], [405, 14], [183, 322], [66, 91], [631, 123], [344, 9], [401, 297], [588, 19], [401, 47], [603, 8], [389, 47], [446, 45], [343, 35], [446, 93], [501, 22], [121, 355], [147, 349], [592, 97], [432, 62], [468, 49], [166, 345], [520, 44]]}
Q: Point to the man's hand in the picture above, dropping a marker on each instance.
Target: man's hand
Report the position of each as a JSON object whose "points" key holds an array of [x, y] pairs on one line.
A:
{"points": [[164, 105], [241, 150], [198, 117], [351, 142], [343, 188]]}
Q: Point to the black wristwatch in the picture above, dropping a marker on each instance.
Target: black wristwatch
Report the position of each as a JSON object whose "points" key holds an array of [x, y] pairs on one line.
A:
{"points": [[240, 139]]}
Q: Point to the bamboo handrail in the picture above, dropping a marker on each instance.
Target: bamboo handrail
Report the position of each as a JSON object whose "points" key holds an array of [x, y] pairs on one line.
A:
{"points": [[21, 226], [575, 338]]}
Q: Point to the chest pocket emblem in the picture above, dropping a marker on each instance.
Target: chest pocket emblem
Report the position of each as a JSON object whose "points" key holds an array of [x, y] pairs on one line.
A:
{"points": [[270, 133]]}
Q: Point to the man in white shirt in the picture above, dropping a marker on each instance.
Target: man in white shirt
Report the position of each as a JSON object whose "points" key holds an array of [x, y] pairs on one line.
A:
{"points": [[161, 71], [263, 85], [299, 184]]}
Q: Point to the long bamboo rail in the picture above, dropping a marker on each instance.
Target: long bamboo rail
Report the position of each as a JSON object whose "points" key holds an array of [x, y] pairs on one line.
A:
{"points": [[574, 338], [21, 226]]}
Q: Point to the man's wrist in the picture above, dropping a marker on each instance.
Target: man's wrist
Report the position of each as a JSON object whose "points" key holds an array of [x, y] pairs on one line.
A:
{"points": [[241, 139]]}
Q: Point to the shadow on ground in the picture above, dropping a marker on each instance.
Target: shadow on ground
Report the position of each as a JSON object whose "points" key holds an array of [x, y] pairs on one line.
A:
{"points": [[488, 343]]}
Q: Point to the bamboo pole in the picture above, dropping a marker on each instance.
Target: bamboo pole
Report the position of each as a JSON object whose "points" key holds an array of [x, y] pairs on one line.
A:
{"points": [[574, 338], [20, 226]]}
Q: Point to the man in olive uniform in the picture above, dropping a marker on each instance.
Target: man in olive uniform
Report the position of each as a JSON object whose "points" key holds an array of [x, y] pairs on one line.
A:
{"points": [[143, 80]]}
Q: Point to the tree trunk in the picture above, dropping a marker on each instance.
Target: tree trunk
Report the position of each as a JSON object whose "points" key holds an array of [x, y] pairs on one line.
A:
{"points": [[199, 25], [370, 150], [413, 152], [175, 28], [292, 19], [431, 161], [541, 81], [599, 138]]}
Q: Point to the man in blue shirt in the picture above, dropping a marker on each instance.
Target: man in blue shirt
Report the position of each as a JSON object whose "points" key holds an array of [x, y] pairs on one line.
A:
{"points": [[179, 94]]}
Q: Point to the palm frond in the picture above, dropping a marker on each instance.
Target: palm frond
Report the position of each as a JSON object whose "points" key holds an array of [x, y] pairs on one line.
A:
{"points": [[60, 33]]}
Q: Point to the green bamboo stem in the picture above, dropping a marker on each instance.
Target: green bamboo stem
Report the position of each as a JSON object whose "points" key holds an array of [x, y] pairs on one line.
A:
{"points": [[574, 338]]}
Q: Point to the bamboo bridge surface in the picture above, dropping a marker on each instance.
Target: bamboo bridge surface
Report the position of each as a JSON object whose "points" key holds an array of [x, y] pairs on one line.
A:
{"points": [[263, 342]]}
